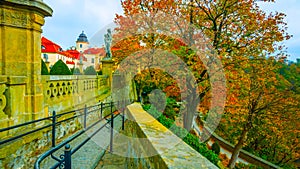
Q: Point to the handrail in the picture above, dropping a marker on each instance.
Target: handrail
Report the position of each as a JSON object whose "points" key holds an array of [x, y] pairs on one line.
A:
{"points": [[47, 120], [24, 134], [65, 159], [24, 124], [54, 120], [68, 140]]}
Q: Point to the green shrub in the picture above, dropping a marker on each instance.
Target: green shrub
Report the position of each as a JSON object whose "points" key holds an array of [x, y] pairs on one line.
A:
{"points": [[216, 148], [179, 131], [100, 72], [146, 107], [169, 110], [60, 68], [75, 71], [44, 69], [90, 71], [165, 121]]}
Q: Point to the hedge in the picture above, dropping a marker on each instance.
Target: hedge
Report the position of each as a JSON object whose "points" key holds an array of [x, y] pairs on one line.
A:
{"points": [[90, 71], [60, 68], [44, 69]]}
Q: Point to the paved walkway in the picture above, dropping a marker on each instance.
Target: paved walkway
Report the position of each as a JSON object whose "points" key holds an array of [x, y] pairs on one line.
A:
{"points": [[113, 160], [89, 155]]}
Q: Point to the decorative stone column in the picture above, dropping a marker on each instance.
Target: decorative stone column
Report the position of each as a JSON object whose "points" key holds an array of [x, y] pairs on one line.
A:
{"points": [[20, 57], [107, 68], [81, 68], [48, 66]]}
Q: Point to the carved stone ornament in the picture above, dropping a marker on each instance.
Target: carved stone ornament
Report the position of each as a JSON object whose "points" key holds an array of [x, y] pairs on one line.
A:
{"points": [[3, 101], [16, 18]]}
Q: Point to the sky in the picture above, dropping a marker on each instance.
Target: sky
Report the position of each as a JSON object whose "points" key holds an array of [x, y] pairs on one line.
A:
{"points": [[71, 17]]}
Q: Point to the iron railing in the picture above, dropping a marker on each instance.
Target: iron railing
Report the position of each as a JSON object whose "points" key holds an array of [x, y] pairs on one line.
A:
{"points": [[51, 122]]}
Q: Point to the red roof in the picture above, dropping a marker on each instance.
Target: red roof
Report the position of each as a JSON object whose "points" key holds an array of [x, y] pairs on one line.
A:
{"points": [[95, 51], [67, 54], [70, 62], [74, 53], [49, 46]]}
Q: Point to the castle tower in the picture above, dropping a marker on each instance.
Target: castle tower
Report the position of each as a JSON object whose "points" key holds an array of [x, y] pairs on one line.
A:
{"points": [[82, 43]]}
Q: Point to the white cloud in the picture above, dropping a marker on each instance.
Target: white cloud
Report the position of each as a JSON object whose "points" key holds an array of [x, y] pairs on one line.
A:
{"points": [[70, 17], [103, 12]]}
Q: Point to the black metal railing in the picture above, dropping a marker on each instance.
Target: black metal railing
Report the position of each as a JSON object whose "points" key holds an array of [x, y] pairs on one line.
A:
{"points": [[51, 123]]}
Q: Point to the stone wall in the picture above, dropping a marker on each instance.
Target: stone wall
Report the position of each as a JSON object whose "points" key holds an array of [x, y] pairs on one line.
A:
{"points": [[154, 146]]}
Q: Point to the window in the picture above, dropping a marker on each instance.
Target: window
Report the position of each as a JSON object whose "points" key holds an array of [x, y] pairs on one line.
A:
{"points": [[93, 60], [80, 46]]}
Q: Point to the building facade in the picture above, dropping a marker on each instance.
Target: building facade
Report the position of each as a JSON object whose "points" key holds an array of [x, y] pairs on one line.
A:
{"points": [[81, 56]]}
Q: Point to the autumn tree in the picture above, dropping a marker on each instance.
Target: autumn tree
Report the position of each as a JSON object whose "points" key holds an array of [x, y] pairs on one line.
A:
{"points": [[242, 45], [278, 138], [255, 101], [241, 34], [146, 23]]}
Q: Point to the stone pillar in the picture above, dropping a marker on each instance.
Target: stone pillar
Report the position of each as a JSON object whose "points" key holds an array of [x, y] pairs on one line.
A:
{"points": [[107, 68], [48, 66], [81, 68], [20, 56]]}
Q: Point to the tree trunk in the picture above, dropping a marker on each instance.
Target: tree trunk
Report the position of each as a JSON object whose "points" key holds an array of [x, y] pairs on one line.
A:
{"points": [[237, 149], [192, 103]]}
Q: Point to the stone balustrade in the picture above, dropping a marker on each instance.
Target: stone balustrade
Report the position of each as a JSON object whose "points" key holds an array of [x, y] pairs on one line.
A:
{"points": [[65, 92]]}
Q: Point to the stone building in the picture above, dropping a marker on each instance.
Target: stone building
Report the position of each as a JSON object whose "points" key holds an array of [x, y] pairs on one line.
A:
{"points": [[52, 52], [94, 57], [81, 56]]}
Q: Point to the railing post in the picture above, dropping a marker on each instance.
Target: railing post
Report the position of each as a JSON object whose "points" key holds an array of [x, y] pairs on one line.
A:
{"points": [[123, 119], [111, 107], [68, 158], [84, 119], [112, 128], [53, 128], [101, 111]]}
